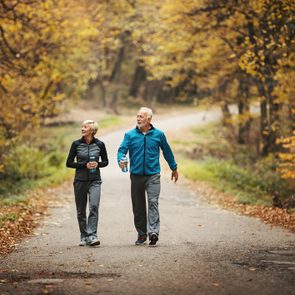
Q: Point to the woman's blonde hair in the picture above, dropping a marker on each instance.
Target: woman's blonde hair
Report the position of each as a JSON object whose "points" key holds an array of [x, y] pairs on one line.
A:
{"points": [[93, 125]]}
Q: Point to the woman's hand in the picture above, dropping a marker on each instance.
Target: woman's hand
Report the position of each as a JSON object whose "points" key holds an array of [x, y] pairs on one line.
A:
{"points": [[92, 165]]}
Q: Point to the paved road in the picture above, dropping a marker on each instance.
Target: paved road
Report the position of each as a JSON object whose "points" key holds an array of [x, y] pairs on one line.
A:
{"points": [[202, 249]]}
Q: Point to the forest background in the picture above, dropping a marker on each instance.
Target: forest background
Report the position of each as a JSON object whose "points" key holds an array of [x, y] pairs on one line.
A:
{"points": [[120, 54]]}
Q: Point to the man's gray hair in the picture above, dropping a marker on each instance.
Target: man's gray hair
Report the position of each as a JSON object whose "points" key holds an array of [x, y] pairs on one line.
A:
{"points": [[148, 111]]}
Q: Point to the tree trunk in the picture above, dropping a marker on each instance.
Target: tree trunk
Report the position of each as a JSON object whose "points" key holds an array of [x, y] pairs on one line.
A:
{"points": [[152, 89], [117, 67], [226, 112], [263, 120], [115, 80], [243, 107], [220, 95], [274, 109], [269, 121], [92, 84], [138, 78], [113, 103], [103, 93]]}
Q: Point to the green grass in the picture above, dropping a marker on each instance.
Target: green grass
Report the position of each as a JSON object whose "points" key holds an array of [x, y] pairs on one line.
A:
{"points": [[8, 217], [204, 155], [63, 135], [184, 142], [110, 121], [42, 164], [227, 178], [196, 170], [13, 201], [204, 131]]}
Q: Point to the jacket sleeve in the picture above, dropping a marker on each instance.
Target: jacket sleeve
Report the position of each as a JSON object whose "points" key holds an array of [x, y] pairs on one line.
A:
{"points": [[71, 158], [167, 152], [103, 156], [123, 148]]}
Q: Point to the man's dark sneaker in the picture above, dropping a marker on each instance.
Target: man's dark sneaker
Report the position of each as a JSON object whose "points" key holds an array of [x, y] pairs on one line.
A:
{"points": [[153, 239], [141, 240]]}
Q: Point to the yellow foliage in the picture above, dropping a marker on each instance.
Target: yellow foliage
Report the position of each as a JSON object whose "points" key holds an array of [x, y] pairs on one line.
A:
{"points": [[287, 159], [53, 48], [45, 44]]}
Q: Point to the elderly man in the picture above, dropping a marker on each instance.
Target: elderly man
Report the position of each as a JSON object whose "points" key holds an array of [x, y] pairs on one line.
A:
{"points": [[143, 144]]}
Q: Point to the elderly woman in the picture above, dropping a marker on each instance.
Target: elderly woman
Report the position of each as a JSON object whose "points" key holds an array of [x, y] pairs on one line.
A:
{"points": [[90, 154]]}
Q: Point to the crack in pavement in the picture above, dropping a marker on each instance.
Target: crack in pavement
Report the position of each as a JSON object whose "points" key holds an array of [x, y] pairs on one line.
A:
{"points": [[13, 277]]}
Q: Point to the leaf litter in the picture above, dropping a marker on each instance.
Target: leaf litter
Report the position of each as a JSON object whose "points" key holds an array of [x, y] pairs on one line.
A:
{"points": [[19, 220]]}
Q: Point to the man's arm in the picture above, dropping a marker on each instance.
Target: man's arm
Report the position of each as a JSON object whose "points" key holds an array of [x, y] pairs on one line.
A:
{"points": [[123, 149], [169, 157]]}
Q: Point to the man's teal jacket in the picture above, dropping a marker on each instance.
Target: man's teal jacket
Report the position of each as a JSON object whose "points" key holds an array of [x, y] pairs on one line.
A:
{"points": [[144, 151]]}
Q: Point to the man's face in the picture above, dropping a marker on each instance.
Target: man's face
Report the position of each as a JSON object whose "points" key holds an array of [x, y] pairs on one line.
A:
{"points": [[142, 120]]}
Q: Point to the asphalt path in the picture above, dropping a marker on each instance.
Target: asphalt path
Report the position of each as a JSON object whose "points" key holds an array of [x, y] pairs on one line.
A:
{"points": [[202, 249]]}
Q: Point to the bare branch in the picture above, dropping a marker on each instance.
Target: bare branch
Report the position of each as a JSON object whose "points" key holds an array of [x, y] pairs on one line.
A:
{"points": [[229, 45], [2, 33]]}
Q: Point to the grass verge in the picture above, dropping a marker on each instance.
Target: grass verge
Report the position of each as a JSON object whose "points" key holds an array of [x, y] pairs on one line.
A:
{"points": [[231, 176], [204, 154], [37, 174], [42, 164]]}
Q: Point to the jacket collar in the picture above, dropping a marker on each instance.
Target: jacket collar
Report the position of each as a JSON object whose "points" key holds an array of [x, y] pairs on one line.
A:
{"points": [[150, 130], [92, 141]]}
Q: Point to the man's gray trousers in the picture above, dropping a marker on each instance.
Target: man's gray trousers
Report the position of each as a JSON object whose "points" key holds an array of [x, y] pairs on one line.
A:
{"points": [[140, 186]]}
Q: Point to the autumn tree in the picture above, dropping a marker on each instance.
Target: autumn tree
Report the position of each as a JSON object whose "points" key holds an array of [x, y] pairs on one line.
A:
{"points": [[226, 46], [111, 46], [41, 64], [287, 158], [235, 52]]}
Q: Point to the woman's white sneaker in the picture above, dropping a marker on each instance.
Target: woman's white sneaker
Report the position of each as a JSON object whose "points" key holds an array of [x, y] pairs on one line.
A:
{"points": [[83, 242], [93, 241]]}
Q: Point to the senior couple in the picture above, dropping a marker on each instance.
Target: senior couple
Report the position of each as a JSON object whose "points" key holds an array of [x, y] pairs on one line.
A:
{"points": [[88, 154]]}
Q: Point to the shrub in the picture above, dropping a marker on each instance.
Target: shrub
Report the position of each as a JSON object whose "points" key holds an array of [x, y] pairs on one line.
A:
{"points": [[25, 162], [260, 180]]}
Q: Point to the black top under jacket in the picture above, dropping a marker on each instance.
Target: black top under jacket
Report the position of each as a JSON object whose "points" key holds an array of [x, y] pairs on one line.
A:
{"points": [[82, 151]]}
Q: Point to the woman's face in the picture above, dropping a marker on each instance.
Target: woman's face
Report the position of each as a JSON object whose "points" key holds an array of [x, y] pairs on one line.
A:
{"points": [[86, 130]]}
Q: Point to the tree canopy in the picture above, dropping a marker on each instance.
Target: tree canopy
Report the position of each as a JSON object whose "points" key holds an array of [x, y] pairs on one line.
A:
{"points": [[231, 51]]}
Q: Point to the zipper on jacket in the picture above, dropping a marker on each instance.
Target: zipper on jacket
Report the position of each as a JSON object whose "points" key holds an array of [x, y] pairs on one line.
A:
{"points": [[144, 147], [88, 161]]}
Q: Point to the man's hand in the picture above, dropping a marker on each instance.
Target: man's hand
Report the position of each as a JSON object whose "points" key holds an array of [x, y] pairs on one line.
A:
{"points": [[174, 175]]}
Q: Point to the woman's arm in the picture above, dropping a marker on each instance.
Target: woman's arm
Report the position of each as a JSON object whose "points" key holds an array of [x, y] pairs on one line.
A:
{"points": [[104, 156], [71, 158]]}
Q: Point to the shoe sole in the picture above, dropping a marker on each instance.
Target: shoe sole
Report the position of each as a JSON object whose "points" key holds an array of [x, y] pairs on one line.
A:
{"points": [[140, 244], [97, 243]]}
